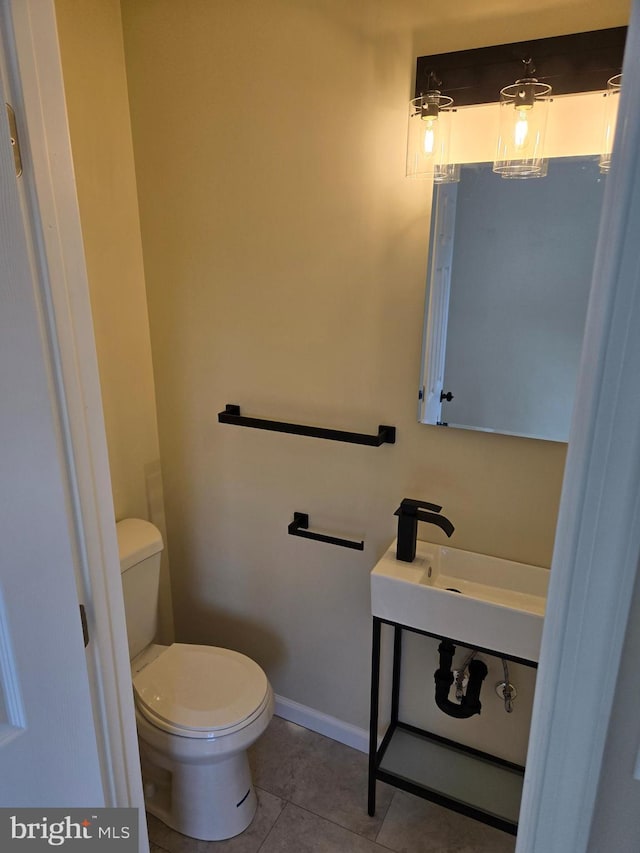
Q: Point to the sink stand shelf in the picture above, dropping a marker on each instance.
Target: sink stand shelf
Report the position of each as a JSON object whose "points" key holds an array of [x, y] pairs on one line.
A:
{"points": [[450, 774]]}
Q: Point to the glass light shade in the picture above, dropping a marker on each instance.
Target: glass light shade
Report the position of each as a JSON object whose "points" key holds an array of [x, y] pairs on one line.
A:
{"points": [[447, 174], [428, 137], [611, 101], [524, 108]]}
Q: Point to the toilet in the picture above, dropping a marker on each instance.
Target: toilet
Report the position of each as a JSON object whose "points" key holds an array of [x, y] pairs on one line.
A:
{"points": [[198, 708]]}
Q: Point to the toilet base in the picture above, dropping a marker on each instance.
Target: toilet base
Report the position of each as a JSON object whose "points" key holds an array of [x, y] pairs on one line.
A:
{"points": [[210, 802]]}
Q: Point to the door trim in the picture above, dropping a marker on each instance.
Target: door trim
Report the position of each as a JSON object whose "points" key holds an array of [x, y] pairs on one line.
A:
{"points": [[597, 542], [35, 78]]}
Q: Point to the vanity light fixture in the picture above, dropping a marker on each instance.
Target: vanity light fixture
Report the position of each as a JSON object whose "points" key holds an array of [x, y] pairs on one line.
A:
{"points": [[429, 135], [611, 100], [524, 108]]}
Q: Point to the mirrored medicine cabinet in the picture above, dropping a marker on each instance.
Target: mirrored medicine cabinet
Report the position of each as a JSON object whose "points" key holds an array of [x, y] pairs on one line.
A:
{"points": [[509, 274], [510, 262]]}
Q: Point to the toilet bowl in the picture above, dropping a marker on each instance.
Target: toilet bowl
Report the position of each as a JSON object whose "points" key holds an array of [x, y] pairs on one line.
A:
{"points": [[198, 709]]}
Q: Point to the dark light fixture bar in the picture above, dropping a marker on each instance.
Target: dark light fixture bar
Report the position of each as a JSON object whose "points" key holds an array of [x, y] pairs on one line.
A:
{"points": [[231, 415], [299, 527], [580, 62]]}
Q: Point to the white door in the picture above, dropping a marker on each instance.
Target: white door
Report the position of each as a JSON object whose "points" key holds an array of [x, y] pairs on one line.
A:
{"points": [[48, 749]]}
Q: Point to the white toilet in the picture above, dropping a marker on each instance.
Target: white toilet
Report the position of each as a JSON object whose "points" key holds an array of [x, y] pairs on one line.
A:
{"points": [[198, 708]]}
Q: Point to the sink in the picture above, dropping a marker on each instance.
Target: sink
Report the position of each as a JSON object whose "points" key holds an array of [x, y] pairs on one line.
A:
{"points": [[480, 601]]}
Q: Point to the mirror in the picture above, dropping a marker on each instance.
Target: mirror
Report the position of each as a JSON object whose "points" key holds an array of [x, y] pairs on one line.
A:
{"points": [[510, 266]]}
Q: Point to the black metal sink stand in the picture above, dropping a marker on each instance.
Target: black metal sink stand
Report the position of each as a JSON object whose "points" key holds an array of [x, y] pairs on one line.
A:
{"points": [[466, 780]]}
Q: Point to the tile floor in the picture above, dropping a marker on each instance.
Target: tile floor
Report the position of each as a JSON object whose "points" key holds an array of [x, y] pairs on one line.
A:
{"points": [[312, 794]]}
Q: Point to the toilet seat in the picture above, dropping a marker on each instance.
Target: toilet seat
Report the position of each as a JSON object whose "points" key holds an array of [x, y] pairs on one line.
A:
{"points": [[201, 691]]}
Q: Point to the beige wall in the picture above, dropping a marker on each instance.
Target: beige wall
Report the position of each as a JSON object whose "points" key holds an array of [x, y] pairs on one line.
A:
{"points": [[90, 35], [285, 256]]}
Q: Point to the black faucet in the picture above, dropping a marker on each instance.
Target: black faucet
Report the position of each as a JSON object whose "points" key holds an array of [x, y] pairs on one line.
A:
{"points": [[409, 513]]}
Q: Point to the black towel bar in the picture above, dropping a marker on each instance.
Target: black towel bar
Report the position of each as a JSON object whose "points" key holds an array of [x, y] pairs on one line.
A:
{"points": [[231, 415], [300, 523]]}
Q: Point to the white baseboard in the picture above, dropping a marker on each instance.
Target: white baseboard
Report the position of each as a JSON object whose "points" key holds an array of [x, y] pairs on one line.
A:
{"points": [[324, 724]]}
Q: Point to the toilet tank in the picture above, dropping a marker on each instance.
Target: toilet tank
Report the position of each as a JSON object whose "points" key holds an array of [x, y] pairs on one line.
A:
{"points": [[140, 547]]}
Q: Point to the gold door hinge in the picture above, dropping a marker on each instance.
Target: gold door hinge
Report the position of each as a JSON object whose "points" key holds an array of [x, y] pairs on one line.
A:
{"points": [[15, 143]]}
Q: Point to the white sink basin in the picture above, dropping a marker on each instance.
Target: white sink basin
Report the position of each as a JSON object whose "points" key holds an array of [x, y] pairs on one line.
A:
{"points": [[499, 605]]}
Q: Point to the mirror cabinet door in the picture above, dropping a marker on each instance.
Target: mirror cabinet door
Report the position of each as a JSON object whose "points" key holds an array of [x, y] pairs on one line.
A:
{"points": [[509, 277]]}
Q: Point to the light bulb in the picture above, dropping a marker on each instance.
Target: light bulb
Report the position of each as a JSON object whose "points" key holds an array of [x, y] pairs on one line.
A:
{"points": [[429, 138], [522, 129]]}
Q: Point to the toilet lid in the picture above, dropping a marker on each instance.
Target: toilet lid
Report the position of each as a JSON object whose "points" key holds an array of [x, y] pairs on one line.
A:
{"points": [[200, 688]]}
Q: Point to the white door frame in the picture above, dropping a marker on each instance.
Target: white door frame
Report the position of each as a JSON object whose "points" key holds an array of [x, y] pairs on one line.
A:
{"points": [[597, 546], [37, 91], [598, 538]]}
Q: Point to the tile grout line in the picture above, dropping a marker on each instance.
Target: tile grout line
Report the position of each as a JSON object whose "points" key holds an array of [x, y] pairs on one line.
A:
{"points": [[339, 825], [159, 846], [387, 810], [273, 825]]}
